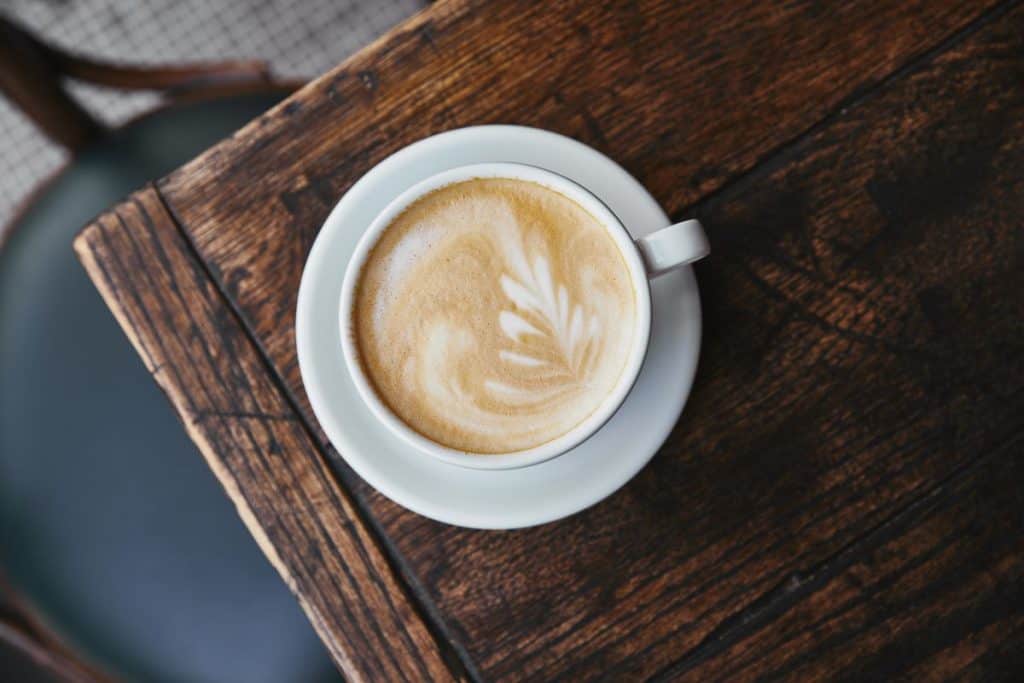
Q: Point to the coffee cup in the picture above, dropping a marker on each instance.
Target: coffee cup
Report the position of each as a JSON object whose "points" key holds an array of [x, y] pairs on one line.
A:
{"points": [[534, 299]]}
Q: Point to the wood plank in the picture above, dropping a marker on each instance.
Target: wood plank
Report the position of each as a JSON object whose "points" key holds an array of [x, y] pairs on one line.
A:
{"points": [[862, 338], [886, 253], [936, 594], [255, 444], [684, 95]]}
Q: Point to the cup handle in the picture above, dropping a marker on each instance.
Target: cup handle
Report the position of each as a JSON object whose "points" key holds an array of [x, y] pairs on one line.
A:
{"points": [[673, 246]]}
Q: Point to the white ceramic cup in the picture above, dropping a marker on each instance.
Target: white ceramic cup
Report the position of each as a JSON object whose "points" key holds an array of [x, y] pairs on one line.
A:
{"points": [[673, 246]]}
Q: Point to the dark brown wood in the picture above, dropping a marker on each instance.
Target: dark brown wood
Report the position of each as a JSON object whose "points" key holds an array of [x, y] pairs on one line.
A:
{"points": [[858, 170], [874, 272], [935, 594], [685, 95], [256, 445]]}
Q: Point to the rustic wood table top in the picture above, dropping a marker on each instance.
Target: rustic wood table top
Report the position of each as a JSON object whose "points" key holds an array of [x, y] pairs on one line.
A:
{"points": [[842, 496]]}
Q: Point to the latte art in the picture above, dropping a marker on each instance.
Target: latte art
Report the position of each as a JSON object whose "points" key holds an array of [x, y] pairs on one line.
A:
{"points": [[494, 315]]}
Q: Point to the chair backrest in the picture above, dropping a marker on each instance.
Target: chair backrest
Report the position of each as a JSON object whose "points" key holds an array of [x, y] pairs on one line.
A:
{"points": [[24, 633], [32, 75]]}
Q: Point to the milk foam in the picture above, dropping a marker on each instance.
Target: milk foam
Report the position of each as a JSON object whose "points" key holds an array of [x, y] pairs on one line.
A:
{"points": [[494, 315]]}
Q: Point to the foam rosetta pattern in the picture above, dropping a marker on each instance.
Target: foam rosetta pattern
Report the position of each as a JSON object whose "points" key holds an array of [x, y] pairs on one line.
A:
{"points": [[494, 315]]}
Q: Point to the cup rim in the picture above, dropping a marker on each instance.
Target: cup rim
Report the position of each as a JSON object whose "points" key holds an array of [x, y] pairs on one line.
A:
{"points": [[608, 406]]}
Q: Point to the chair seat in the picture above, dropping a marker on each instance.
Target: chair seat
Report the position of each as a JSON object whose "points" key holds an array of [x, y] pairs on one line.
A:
{"points": [[110, 521]]}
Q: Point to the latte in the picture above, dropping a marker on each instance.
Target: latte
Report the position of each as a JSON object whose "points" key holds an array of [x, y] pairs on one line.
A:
{"points": [[494, 315]]}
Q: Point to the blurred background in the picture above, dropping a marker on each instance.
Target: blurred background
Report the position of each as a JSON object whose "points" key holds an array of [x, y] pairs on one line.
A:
{"points": [[298, 38], [121, 559]]}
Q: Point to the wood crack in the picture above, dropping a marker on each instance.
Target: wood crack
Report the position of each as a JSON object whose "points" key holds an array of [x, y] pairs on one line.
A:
{"points": [[239, 415], [452, 652], [777, 156], [802, 583], [834, 390]]}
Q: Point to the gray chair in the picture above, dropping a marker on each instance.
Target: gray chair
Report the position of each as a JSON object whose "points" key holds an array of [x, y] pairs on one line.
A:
{"points": [[123, 558]]}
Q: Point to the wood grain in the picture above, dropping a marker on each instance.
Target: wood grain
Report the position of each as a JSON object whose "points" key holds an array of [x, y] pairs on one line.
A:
{"points": [[935, 594], [684, 95], [883, 257], [256, 444], [864, 343]]}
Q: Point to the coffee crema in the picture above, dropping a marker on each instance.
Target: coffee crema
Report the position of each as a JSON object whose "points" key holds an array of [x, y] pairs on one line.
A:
{"points": [[494, 315]]}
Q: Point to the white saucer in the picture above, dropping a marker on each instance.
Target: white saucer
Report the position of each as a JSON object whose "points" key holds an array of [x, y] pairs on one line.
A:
{"points": [[495, 499]]}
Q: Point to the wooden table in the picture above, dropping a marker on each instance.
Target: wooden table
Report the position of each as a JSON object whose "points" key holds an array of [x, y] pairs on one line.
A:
{"points": [[842, 497]]}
